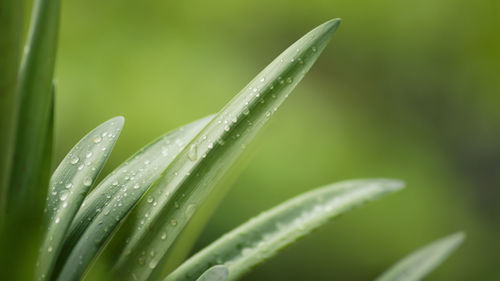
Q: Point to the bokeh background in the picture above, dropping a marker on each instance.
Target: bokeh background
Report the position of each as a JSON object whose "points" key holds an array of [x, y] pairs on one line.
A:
{"points": [[406, 89]]}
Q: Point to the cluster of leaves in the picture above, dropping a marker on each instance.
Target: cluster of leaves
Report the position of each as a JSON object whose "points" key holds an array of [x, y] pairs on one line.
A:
{"points": [[154, 196]]}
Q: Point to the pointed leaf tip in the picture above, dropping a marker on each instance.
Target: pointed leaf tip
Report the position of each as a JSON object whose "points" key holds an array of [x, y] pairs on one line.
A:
{"points": [[68, 186], [455, 239], [332, 24], [191, 177], [119, 120], [419, 264], [393, 185]]}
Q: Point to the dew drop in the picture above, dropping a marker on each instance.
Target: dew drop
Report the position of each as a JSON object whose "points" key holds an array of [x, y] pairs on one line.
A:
{"points": [[75, 160], [150, 199], [136, 186], [152, 264], [163, 236], [289, 80], [97, 139], [190, 209], [314, 49], [68, 185], [57, 220], [89, 154], [49, 249], [63, 195], [173, 222], [193, 152], [87, 181]]}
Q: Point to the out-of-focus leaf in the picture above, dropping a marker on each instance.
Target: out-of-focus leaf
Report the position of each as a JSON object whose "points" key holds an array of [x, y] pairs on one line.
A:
{"points": [[30, 175], [263, 236], [186, 183], [109, 203], [69, 185], [419, 264], [11, 25]]}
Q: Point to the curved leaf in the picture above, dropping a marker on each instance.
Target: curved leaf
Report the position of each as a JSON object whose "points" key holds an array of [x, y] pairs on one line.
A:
{"points": [[419, 264], [186, 183], [69, 186], [263, 236], [109, 203], [215, 273]]}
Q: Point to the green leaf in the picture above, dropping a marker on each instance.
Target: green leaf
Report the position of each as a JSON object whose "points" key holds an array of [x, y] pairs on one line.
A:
{"points": [[191, 177], [263, 236], [11, 13], [69, 185], [419, 264], [215, 273], [30, 175], [109, 203]]}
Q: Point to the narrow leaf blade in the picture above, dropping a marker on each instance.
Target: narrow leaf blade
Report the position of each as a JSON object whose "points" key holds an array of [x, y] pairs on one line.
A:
{"points": [[110, 202], [419, 264], [34, 88], [188, 181], [69, 185], [263, 236], [11, 13]]}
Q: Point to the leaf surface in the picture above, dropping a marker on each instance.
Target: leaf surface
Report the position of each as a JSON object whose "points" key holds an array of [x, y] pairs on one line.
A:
{"points": [[69, 185], [263, 236], [191, 177], [110, 202]]}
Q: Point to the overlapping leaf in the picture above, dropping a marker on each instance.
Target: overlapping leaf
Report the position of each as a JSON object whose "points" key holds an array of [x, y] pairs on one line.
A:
{"points": [[109, 203], [69, 185], [192, 175]]}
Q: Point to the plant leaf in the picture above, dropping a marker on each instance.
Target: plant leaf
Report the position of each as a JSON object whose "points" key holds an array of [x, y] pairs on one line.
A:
{"points": [[215, 273], [11, 13], [109, 203], [29, 174], [419, 264], [190, 178], [69, 185], [263, 236]]}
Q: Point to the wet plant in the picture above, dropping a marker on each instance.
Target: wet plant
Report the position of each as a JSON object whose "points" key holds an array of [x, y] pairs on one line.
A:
{"points": [[147, 205]]}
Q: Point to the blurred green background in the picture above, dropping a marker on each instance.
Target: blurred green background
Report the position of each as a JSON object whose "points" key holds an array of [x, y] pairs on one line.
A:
{"points": [[406, 89]]}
